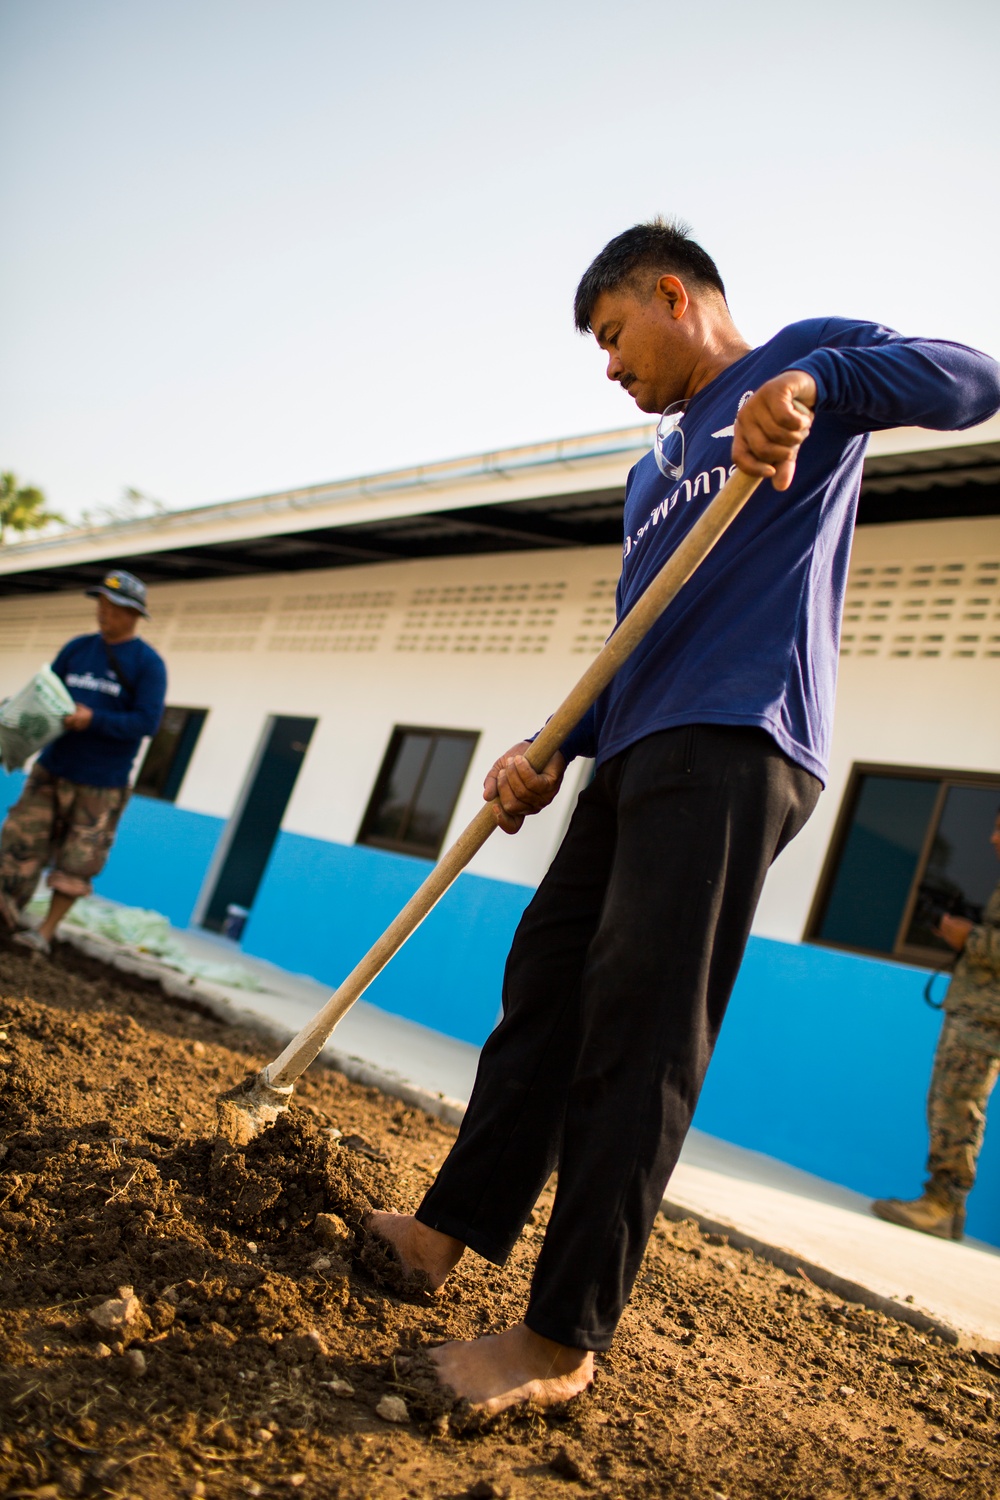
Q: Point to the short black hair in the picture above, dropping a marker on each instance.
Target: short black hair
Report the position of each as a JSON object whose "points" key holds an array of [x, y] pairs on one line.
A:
{"points": [[664, 246]]}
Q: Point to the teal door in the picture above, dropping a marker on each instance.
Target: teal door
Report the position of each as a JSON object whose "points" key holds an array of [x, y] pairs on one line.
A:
{"points": [[260, 818]]}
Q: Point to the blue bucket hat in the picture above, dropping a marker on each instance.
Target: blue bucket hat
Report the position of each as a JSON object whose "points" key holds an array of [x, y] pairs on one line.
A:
{"points": [[121, 588]]}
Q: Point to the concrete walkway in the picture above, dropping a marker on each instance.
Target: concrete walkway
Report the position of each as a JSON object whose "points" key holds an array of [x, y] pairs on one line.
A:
{"points": [[789, 1216]]}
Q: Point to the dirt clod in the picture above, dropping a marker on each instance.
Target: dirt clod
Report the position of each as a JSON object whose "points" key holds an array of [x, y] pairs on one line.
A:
{"points": [[330, 1229], [260, 1353]]}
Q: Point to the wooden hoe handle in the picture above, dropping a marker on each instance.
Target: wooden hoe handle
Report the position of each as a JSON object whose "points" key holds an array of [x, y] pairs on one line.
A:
{"points": [[676, 571]]}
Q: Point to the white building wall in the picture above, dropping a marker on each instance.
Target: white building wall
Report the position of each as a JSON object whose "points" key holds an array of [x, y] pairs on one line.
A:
{"points": [[493, 643]]}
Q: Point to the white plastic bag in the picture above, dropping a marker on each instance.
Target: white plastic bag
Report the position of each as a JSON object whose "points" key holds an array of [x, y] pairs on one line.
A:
{"points": [[33, 718]]}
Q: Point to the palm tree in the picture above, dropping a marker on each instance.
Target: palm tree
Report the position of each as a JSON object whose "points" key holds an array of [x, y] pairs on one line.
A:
{"points": [[22, 507]]}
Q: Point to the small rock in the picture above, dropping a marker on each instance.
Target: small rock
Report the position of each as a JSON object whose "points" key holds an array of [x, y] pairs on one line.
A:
{"points": [[199, 1049], [198, 1489], [314, 1342], [730, 1265], [331, 1229], [102, 1351], [392, 1409], [263, 1436], [296, 1480], [441, 1426], [253, 1488], [937, 1437], [321, 1263], [342, 1388], [135, 1363], [118, 1314], [845, 1390]]}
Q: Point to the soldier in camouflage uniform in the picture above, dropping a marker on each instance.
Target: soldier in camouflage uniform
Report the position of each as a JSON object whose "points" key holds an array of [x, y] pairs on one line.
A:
{"points": [[966, 1066]]}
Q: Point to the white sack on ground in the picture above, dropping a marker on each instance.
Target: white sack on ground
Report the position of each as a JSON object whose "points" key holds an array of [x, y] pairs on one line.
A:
{"points": [[148, 932]]}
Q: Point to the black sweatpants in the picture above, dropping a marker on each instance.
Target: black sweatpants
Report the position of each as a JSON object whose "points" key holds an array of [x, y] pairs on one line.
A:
{"points": [[615, 988]]}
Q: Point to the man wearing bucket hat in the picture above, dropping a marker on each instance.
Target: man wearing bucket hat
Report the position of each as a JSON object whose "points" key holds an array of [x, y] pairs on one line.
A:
{"points": [[68, 811]]}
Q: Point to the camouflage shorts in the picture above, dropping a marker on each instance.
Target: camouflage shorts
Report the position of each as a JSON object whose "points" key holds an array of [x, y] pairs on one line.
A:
{"points": [[61, 824]]}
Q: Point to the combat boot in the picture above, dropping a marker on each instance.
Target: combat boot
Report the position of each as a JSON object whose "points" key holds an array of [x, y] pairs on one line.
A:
{"points": [[940, 1216]]}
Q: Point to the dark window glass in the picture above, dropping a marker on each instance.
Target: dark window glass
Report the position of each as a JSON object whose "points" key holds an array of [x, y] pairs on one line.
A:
{"points": [[878, 863], [169, 752], [417, 789], [961, 868], [908, 844], [390, 816]]}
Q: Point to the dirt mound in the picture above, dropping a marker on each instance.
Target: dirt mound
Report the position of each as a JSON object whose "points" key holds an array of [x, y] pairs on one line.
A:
{"points": [[180, 1317]]}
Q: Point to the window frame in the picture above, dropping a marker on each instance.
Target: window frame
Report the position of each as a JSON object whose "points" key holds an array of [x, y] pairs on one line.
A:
{"points": [[946, 779], [189, 710], [397, 739]]}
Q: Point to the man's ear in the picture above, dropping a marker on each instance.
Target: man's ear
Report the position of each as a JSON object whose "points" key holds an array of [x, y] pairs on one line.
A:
{"points": [[673, 291]]}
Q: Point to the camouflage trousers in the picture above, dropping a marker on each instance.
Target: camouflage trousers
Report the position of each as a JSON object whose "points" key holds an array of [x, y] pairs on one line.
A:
{"points": [[61, 824], [961, 1085]]}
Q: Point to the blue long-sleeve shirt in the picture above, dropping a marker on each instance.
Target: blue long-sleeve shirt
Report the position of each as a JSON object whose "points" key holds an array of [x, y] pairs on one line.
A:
{"points": [[753, 638], [102, 754]]}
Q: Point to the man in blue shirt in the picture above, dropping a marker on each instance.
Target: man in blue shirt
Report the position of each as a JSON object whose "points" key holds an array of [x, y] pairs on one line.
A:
{"points": [[711, 747], [71, 803]]}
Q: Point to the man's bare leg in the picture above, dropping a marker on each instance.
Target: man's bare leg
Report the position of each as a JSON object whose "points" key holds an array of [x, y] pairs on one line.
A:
{"points": [[509, 1368], [418, 1248], [59, 907]]}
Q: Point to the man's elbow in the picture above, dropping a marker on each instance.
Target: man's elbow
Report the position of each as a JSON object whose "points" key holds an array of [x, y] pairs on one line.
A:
{"points": [[985, 402]]}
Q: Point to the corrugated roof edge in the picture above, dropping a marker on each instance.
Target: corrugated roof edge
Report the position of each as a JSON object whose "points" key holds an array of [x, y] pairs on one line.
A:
{"points": [[575, 454], [499, 464]]}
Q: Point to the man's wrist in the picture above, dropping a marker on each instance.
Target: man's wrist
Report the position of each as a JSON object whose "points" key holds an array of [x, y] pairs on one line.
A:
{"points": [[805, 388]]}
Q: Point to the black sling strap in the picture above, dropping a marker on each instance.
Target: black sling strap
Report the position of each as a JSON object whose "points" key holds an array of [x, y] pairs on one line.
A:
{"points": [[126, 681]]}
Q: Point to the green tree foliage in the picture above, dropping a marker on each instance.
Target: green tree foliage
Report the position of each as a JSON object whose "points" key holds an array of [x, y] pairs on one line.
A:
{"points": [[22, 508], [133, 505]]}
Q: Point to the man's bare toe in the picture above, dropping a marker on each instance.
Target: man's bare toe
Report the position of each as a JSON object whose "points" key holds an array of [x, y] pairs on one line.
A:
{"points": [[514, 1368]]}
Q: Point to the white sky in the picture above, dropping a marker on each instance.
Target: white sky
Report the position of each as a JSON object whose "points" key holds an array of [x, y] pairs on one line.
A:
{"points": [[251, 244]]}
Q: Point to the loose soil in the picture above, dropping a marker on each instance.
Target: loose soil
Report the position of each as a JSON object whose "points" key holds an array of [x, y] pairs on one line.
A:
{"points": [[260, 1345]]}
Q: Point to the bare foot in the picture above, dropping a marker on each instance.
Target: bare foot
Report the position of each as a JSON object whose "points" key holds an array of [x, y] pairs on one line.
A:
{"points": [[418, 1248], [506, 1369]]}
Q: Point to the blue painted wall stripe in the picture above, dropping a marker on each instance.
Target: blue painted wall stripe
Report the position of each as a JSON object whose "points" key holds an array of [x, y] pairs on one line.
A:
{"points": [[160, 858], [824, 1062], [321, 906]]}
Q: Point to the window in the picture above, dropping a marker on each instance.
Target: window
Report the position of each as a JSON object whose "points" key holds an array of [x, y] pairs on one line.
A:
{"points": [[169, 752], [416, 790], [906, 840]]}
